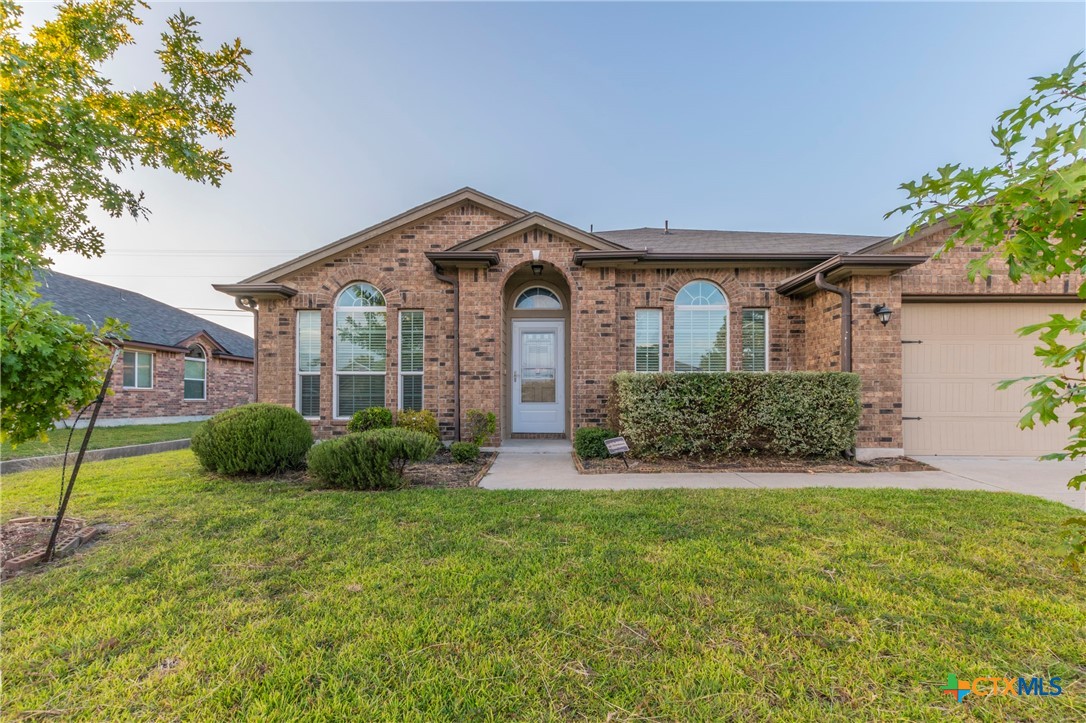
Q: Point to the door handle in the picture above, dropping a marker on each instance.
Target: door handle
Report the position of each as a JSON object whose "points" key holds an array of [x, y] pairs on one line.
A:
{"points": [[514, 377]]}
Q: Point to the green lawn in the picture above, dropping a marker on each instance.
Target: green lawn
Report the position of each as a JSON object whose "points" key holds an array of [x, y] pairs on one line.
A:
{"points": [[273, 601], [101, 438]]}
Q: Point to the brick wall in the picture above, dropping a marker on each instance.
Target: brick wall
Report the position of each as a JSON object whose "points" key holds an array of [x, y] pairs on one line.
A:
{"points": [[229, 384]]}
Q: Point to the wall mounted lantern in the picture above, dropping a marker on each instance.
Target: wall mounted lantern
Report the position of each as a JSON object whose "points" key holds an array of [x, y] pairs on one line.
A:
{"points": [[884, 313], [537, 267]]}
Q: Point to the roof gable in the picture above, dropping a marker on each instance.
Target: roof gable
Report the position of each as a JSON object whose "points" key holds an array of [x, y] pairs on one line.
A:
{"points": [[149, 321], [463, 195], [536, 220]]}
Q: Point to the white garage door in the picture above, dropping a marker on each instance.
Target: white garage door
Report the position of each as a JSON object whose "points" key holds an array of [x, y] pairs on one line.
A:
{"points": [[950, 403]]}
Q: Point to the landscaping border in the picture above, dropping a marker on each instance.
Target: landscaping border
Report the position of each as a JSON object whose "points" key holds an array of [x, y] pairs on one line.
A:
{"points": [[93, 455], [66, 545]]}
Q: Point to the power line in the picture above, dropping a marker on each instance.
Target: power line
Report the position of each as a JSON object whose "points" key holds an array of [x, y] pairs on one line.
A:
{"points": [[201, 308]]}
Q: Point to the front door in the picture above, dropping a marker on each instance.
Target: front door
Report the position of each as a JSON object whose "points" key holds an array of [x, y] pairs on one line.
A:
{"points": [[539, 370]]}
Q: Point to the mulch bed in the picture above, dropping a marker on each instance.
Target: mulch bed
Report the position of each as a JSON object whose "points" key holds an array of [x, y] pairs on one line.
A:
{"points": [[442, 471], [748, 464], [17, 538]]}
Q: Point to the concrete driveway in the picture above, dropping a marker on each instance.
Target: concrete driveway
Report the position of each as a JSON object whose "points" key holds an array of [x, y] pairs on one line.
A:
{"points": [[545, 464]]}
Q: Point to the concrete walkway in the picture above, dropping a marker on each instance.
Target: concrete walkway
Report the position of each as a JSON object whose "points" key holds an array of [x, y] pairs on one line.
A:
{"points": [[547, 464]]}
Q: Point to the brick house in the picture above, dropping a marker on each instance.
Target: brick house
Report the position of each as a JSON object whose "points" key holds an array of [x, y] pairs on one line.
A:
{"points": [[469, 302], [175, 366]]}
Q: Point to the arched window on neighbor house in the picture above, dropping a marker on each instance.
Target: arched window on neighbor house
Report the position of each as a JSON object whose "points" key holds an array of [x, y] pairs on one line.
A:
{"points": [[195, 374], [360, 349], [701, 328]]}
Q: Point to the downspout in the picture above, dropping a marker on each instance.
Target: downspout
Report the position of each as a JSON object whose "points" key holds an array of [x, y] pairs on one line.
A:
{"points": [[456, 344], [248, 303], [846, 318]]}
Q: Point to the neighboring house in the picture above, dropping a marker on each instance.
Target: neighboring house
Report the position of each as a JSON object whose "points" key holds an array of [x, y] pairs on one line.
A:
{"points": [[175, 366], [469, 302]]}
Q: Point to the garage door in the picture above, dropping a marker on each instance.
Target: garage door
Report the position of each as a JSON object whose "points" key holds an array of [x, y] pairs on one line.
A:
{"points": [[950, 403]]}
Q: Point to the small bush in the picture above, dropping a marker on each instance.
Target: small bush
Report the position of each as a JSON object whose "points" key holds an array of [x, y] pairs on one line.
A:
{"points": [[464, 452], [253, 439], [481, 426], [372, 460], [588, 442], [372, 418], [791, 414], [422, 421]]}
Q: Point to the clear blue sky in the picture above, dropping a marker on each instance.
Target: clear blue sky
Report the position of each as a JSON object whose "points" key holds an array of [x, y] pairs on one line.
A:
{"points": [[790, 117]]}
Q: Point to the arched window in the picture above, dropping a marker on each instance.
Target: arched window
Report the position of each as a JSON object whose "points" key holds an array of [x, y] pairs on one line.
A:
{"points": [[701, 328], [537, 298], [195, 374], [359, 349]]}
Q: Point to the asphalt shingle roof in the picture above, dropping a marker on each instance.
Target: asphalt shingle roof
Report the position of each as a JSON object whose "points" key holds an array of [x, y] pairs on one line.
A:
{"points": [[681, 240], [149, 321]]}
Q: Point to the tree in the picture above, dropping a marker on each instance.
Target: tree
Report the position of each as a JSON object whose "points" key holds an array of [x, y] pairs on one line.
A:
{"points": [[68, 136], [1029, 211]]}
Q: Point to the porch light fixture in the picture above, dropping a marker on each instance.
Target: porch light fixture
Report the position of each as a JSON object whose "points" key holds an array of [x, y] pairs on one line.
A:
{"points": [[884, 313], [537, 267]]}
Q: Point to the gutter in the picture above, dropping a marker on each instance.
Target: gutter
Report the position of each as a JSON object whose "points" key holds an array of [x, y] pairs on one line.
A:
{"points": [[846, 318], [456, 346], [248, 303]]}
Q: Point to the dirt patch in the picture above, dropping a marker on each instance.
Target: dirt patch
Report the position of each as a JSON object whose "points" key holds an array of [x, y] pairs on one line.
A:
{"points": [[442, 471], [748, 464], [18, 538]]}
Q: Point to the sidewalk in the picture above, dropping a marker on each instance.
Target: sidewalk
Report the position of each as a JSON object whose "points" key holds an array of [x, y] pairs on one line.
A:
{"points": [[546, 464]]}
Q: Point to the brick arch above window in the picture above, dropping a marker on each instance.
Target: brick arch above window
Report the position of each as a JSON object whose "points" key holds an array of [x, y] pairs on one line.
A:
{"points": [[724, 279], [333, 286]]}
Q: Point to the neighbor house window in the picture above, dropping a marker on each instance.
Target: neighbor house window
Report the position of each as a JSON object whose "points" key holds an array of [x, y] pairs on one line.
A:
{"points": [[139, 369], [755, 340], [701, 328], [309, 363], [359, 349], [647, 340], [411, 340], [536, 298], [195, 374]]}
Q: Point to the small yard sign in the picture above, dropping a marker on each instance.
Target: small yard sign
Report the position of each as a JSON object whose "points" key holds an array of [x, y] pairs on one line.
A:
{"points": [[616, 445]]}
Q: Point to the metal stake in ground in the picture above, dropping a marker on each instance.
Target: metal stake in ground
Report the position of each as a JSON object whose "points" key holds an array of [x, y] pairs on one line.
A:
{"points": [[79, 458]]}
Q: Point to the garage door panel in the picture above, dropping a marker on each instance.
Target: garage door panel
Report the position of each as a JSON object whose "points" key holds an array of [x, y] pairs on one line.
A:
{"points": [[950, 379]]}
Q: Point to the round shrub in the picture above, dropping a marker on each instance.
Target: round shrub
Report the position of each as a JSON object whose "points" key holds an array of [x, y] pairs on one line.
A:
{"points": [[421, 421], [253, 439], [588, 442], [372, 460], [464, 452], [367, 419]]}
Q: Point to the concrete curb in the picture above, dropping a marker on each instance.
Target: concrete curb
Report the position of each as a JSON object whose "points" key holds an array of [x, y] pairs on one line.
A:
{"points": [[93, 455]]}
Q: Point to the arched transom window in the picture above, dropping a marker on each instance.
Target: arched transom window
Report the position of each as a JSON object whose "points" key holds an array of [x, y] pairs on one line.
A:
{"points": [[701, 328], [359, 349], [537, 297], [195, 380]]}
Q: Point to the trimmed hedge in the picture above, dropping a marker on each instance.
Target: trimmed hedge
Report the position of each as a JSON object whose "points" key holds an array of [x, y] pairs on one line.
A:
{"points": [[371, 418], [588, 442], [792, 414], [253, 439], [372, 460]]}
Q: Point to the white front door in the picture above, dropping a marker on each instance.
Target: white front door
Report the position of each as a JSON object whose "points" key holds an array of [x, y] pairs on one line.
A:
{"points": [[539, 371]]}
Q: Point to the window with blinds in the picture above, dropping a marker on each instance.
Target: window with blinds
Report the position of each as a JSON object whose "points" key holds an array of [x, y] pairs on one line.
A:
{"points": [[360, 350], [755, 340], [647, 329], [309, 364], [138, 370], [411, 360], [701, 328]]}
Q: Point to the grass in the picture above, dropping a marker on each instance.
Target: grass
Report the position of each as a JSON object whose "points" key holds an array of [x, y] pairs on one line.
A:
{"points": [[270, 600], [102, 438]]}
